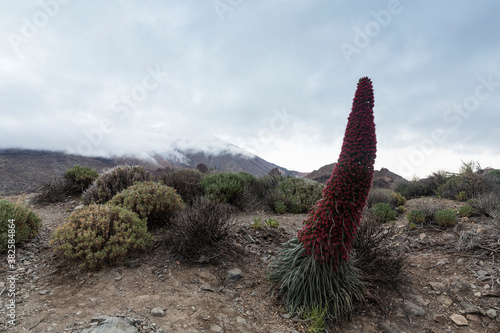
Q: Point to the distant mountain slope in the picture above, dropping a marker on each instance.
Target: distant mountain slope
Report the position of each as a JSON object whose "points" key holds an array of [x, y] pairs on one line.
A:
{"points": [[23, 170], [383, 178], [228, 161]]}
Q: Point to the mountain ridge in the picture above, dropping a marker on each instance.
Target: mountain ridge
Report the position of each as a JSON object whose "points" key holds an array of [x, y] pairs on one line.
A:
{"points": [[26, 170]]}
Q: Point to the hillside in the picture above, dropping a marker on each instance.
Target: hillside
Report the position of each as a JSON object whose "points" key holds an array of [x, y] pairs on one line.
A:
{"points": [[23, 170], [383, 178]]}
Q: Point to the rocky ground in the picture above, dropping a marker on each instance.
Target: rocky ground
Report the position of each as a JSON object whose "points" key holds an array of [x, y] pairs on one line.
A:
{"points": [[454, 285]]}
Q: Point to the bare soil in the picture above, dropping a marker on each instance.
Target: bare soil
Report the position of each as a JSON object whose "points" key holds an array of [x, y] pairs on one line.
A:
{"points": [[54, 297]]}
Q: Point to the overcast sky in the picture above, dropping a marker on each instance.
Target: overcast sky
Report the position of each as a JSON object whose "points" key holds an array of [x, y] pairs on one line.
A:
{"points": [[276, 78]]}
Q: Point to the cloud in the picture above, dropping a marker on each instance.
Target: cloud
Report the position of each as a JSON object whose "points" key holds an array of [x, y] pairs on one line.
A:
{"points": [[87, 67]]}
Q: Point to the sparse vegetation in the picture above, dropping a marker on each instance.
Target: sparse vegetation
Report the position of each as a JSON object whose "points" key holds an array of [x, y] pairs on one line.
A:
{"points": [[296, 195], [25, 221], [416, 216], [382, 212], [100, 234], [112, 182], [155, 202], [379, 195], [256, 225], [446, 217], [273, 223], [316, 318], [231, 188], [466, 211]]}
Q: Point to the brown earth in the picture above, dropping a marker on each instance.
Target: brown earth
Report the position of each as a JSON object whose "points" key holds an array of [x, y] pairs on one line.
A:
{"points": [[53, 297]]}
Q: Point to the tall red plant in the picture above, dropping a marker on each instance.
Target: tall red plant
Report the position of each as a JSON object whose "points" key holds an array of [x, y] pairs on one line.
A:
{"points": [[329, 231]]}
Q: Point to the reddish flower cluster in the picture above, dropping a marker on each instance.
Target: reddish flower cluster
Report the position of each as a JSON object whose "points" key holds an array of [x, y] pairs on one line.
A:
{"points": [[330, 229]]}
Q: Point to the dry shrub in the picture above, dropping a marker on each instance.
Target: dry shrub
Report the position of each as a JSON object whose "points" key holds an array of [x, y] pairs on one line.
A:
{"points": [[486, 204], [186, 182], [379, 260], [203, 229], [112, 182]]}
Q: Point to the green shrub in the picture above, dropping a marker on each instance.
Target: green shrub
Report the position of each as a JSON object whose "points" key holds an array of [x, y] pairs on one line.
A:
{"points": [[232, 188], [256, 225], [26, 224], [446, 217], [316, 318], [187, 183], [100, 234], [400, 209], [82, 176], [380, 195], [296, 195], [462, 196], [415, 189], [416, 216], [383, 212], [466, 211], [112, 182], [203, 229], [412, 226], [264, 189], [152, 201], [273, 223], [76, 180]]}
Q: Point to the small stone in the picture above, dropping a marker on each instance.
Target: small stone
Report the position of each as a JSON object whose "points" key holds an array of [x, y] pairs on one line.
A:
{"points": [[420, 300], [230, 293], [241, 320], [483, 275], [287, 316], [215, 328], [118, 278], [413, 309], [477, 294], [97, 319], [78, 313], [234, 274], [486, 287], [43, 292], [437, 286], [459, 320], [133, 263], [249, 239], [79, 207], [158, 312], [469, 308], [439, 318], [253, 294], [445, 300], [388, 327], [472, 317], [491, 313], [206, 287], [460, 260]]}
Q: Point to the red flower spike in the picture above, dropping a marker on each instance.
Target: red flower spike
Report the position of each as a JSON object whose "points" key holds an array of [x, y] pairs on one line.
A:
{"points": [[330, 229]]}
